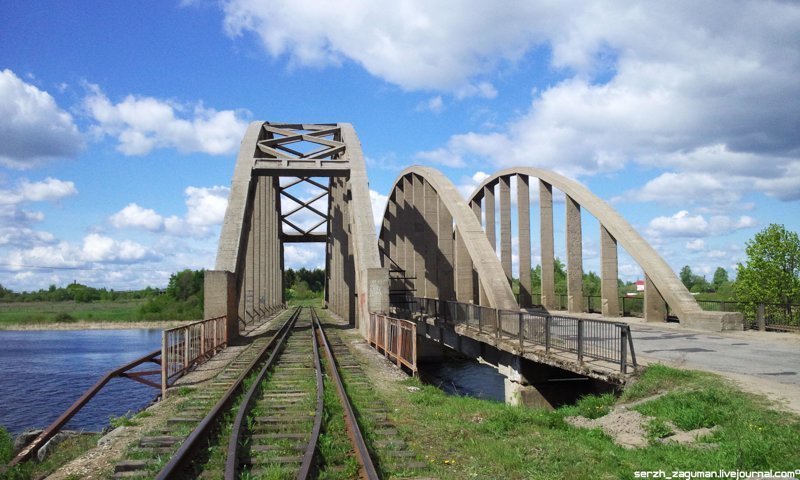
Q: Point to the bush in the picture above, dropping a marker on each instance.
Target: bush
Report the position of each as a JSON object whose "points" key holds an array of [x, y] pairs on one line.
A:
{"points": [[64, 317]]}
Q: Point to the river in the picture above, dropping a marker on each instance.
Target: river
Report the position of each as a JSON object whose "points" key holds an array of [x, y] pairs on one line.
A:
{"points": [[44, 372]]}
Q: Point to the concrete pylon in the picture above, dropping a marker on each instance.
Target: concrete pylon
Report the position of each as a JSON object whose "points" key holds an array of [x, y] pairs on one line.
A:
{"points": [[609, 275], [547, 244], [445, 261], [505, 225], [430, 233], [524, 229], [574, 257], [655, 308]]}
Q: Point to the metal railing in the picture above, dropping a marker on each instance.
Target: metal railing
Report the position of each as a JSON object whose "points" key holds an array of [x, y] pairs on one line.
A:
{"points": [[587, 338], [182, 347], [395, 338]]}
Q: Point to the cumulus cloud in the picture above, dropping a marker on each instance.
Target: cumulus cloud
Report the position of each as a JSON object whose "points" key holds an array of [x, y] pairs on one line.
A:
{"points": [[684, 224], [143, 124], [416, 44], [95, 248], [48, 190], [33, 128], [695, 245], [205, 209], [378, 202]]}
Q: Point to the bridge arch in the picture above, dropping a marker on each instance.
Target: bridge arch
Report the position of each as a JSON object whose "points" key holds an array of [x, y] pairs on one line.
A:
{"points": [[434, 244], [247, 281], [662, 286]]}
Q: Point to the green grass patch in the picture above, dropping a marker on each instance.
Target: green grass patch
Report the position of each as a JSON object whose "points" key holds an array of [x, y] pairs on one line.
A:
{"points": [[487, 439], [19, 313]]}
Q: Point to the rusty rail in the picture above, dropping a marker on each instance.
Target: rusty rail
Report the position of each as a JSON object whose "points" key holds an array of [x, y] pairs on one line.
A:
{"points": [[186, 345], [395, 338], [123, 372], [367, 468], [181, 460]]}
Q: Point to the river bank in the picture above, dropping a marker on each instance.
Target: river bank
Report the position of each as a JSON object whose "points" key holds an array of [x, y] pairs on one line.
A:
{"points": [[92, 325]]}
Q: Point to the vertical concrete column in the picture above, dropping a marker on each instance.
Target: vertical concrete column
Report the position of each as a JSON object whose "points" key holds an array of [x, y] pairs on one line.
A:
{"points": [[221, 299], [271, 236], [464, 272], [430, 234], [259, 261], [479, 295], [655, 308], [522, 383], [574, 257], [252, 261], [277, 246], [609, 287], [445, 259], [408, 224], [505, 225], [418, 236], [524, 229], [489, 212], [398, 225], [390, 224], [349, 292], [548, 287]]}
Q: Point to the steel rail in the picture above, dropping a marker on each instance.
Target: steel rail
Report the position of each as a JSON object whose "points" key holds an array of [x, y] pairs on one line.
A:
{"points": [[308, 456], [232, 460], [180, 461], [54, 427], [367, 469]]}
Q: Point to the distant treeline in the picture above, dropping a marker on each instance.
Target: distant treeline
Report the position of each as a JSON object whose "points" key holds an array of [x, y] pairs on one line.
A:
{"points": [[304, 284], [76, 292]]}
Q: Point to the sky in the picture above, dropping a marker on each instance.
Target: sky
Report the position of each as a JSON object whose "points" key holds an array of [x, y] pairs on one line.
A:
{"points": [[120, 121]]}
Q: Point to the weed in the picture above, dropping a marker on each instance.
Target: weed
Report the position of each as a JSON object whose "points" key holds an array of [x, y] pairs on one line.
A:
{"points": [[123, 421], [657, 428]]}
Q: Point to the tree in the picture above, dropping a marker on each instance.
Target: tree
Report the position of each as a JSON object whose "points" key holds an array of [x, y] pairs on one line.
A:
{"points": [[772, 271], [687, 277], [720, 278]]}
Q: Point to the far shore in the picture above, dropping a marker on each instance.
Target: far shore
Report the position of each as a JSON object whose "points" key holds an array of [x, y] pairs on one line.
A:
{"points": [[98, 325]]}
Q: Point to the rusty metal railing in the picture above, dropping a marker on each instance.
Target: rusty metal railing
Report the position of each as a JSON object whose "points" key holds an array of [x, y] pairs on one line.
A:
{"points": [[395, 338], [125, 371], [187, 345], [586, 338]]}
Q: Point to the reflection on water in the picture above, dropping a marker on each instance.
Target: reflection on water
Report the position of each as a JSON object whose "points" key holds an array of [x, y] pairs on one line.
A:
{"points": [[44, 372], [464, 377]]}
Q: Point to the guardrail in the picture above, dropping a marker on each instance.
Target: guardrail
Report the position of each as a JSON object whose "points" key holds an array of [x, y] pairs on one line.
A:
{"points": [[587, 338], [125, 371], [184, 346], [395, 338]]}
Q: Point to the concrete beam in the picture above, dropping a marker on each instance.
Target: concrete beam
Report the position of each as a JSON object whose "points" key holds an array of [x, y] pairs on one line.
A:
{"points": [[609, 275], [430, 233], [445, 260], [548, 245], [524, 234], [574, 257], [505, 225], [655, 308]]}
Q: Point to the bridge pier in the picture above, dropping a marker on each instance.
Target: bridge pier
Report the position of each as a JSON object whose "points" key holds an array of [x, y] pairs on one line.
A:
{"points": [[523, 381], [220, 300]]}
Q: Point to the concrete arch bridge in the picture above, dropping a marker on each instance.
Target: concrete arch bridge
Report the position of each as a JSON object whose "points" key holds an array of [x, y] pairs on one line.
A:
{"points": [[296, 183]]}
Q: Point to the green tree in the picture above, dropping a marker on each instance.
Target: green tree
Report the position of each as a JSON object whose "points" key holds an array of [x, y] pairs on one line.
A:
{"points": [[720, 278], [687, 277], [771, 273]]}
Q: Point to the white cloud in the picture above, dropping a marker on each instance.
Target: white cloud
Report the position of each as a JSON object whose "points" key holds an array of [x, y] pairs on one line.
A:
{"points": [[683, 224], [307, 255], [137, 217], [415, 44], [434, 104], [206, 205], [378, 202], [205, 209], [695, 245], [51, 189], [33, 128], [142, 124]]}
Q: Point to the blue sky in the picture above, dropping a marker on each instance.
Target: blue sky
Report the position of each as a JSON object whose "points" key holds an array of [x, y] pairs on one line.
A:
{"points": [[120, 121]]}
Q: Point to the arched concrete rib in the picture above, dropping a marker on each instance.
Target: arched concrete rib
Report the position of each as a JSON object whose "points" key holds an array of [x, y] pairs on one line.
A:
{"points": [[682, 303], [229, 250], [490, 272], [362, 235]]}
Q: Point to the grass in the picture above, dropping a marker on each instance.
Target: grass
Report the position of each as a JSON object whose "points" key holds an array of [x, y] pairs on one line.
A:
{"points": [[490, 440], [67, 450], [20, 313]]}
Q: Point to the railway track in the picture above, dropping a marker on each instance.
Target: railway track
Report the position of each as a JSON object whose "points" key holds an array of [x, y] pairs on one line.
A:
{"points": [[281, 410]]}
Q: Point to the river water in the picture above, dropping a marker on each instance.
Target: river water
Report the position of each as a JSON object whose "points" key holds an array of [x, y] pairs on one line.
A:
{"points": [[44, 372], [458, 376]]}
